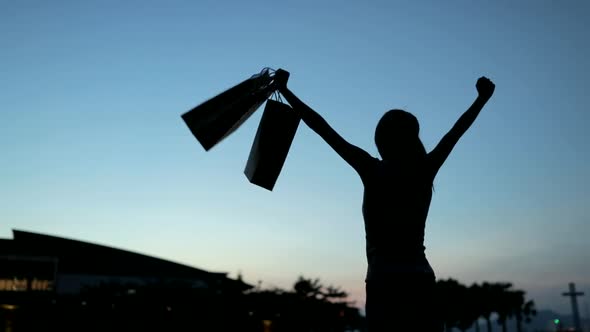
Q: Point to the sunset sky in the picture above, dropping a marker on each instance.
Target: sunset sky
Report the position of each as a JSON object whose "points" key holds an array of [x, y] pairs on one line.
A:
{"points": [[93, 146]]}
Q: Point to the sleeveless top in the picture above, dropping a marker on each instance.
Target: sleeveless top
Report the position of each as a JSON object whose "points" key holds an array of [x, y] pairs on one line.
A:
{"points": [[396, 201]]}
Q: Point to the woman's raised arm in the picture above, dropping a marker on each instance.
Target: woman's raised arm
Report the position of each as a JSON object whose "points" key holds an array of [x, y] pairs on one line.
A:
{"points": [[439, 154], [356, 157]]}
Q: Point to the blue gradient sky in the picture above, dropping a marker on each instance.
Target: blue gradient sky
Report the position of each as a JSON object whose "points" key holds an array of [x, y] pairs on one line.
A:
{"points": [[93, 146]]}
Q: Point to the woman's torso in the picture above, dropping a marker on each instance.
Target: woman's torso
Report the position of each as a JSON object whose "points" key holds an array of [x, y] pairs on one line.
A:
{"points": [[395, 207]]}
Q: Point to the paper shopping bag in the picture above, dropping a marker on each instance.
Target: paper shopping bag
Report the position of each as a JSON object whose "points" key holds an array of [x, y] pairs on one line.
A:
{"points": [[216, 118], [272, 142]]}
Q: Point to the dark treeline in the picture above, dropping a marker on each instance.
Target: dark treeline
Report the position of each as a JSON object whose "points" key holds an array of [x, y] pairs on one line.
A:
{"points": [[311, 306], [462, 306], [307, 306]]}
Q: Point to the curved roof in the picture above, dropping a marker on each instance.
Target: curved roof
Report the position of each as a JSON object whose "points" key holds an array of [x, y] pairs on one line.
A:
{"points": [[78, 257]]}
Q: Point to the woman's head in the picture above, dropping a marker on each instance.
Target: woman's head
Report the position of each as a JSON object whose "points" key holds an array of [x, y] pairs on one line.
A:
{"points": [[397, 136]]}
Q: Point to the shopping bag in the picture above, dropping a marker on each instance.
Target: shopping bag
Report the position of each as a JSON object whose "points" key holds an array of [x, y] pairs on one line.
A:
{"points": [[272, 142], [216, 118]]}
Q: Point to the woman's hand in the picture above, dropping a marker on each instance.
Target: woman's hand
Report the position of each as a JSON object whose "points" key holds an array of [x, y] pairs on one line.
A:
{"points": [[280, 79], [485, 87]]}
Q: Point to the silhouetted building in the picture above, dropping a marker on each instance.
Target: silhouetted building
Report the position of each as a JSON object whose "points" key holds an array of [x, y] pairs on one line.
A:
{"points": [[41, 274], [36, 263]]}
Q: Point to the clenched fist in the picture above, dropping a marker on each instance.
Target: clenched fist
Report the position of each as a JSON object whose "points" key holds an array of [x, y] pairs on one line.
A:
{"points": [[280, 79], [485, 87]]}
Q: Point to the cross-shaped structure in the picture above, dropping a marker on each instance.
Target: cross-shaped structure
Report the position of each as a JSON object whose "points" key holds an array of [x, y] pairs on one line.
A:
{"points": [[573, 296]]}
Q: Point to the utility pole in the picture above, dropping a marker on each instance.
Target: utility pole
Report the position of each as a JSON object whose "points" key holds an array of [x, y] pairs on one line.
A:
{"points": [[587, 317], [575, 313]]}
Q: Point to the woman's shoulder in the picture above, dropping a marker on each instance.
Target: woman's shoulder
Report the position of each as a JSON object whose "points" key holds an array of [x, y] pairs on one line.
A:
{"points": [[372, 170]]}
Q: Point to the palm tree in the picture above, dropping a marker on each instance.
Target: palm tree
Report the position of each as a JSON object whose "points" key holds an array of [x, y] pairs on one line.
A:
{"points": [[308, 288], [487, 299], [478, 302], [514, 305], [516, 299], [509, 306], [450, 303], [525, 312], [334, 294], [469, 311], [486, 303]]}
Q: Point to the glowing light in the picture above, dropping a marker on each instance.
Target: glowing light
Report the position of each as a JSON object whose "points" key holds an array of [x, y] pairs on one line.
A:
{"points": [[8, 306], [41, 285], [13, 285], [23, 285], [556, 321]]}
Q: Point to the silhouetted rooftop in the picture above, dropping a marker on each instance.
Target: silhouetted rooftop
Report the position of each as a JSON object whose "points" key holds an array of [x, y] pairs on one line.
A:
{"points": [[78, 257]]}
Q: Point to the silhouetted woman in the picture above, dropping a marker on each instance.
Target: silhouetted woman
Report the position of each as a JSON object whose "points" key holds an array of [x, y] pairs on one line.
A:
{"points": [[400, 283]]}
